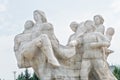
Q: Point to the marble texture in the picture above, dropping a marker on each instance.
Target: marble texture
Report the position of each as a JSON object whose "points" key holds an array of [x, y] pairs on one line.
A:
{"points": [[83, 58]]}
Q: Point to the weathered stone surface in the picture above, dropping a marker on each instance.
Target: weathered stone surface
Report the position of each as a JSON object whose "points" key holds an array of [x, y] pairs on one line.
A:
{"points": [[83, 58]]}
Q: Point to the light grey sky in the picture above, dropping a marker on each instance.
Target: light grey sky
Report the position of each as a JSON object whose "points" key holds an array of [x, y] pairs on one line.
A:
{"points": [[13, 14]]}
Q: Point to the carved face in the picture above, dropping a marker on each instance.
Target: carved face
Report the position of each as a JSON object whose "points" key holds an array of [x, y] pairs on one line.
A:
{"points": [[97, 20], [110, 31], [74, 26], [28, 24], [37, 17], [89, 25]]}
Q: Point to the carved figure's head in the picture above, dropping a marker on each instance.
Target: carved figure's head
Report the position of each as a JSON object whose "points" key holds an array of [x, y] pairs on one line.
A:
{"points": [[39, 16], [98, 19], [74, 25], [28, 24], [110, 31], [89, 24]]}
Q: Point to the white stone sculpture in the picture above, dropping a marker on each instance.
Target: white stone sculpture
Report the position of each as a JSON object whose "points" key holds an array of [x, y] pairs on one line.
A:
{"points": [[98, 21], [20, 40], [93, 57], [83, 58]]}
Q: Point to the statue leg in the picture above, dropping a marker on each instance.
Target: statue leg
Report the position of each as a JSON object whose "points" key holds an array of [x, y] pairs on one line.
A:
{"points": [[20, 60], [28, 52], [44, 44], [46, 47], [85, 69], [99, 67], [39, 67], [109, 72]]}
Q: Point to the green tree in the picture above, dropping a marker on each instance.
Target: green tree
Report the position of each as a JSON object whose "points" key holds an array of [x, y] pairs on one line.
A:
{"points": [[21, 77], [116, 72], [24, 76], [34, 77], [27, 75]]}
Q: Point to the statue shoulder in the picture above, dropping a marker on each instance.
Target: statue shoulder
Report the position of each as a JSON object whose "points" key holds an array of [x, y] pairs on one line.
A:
{"points": [[47, 26], [101, 29], [18, 36]]}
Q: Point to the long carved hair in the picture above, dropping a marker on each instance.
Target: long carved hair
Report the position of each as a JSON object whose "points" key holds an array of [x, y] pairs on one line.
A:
{"points": [[42, 14]]}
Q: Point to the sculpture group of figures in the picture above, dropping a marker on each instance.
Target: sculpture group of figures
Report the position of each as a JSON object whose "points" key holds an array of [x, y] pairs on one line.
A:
{"points": [[83, 58]]}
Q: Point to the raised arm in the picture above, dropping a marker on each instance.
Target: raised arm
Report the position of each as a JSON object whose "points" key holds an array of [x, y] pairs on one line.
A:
{"points": [[102, 41], [16, 43], [99, 44]]}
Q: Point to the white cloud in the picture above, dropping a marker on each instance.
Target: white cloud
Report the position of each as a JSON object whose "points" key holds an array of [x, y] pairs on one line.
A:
{"points": [[7, 27], [3, 8], [7, 58], [116, 6], [3, 5]]}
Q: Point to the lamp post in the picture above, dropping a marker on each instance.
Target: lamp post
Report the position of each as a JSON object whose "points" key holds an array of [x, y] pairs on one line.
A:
{"points": [[14, 72]]}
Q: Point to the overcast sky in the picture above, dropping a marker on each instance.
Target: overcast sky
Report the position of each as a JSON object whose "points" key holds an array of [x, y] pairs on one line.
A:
{"points": [[13, 14]]}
